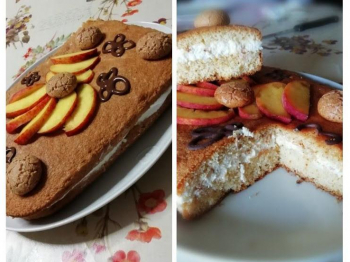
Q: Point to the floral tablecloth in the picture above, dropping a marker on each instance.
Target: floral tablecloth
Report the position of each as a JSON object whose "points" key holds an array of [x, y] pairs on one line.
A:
{"points": [[136, 226]]}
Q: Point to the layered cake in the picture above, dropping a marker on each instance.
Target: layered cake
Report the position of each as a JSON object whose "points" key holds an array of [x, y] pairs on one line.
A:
{"points": [[76, 112], [232, 133]]}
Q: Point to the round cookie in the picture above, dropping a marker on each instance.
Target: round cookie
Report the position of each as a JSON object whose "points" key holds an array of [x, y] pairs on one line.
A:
{"points": [[154, 46], [211, 18], [234, 94], [23, 174], [330, 106], [89, 37], [61, 85]]}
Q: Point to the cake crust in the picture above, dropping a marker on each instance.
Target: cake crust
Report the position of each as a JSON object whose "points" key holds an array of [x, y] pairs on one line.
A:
{"points": [[111, 123]]}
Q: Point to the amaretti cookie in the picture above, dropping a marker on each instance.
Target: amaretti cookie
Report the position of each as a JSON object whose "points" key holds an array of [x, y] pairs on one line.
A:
{"points": [[218, 53], [78, 132]]}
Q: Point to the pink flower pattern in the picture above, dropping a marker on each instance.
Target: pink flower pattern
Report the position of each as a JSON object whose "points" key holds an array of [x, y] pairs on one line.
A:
{"points": [[74, 256]]}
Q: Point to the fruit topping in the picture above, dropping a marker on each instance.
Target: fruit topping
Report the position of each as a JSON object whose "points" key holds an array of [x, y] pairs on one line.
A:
{"points": [[296, 99], [76, 68], [36, 123], [202, 118], [195, 90], [250, 112], [26, 103], [197, 102], [60, 114], [207, 85], [20, 120], [74, 57], [84, 111], [269, 101], [25, 92]]}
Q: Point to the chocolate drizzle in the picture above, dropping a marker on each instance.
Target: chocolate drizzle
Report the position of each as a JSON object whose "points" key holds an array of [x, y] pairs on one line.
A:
{"points": [[211, 134], [29, 80], [118, 45], [10, 154], [108, 84], [333, 138]]}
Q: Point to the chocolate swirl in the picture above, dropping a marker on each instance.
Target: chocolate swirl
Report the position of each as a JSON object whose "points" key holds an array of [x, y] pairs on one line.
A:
{"points": [[333, 138], [108, 85], [10, 154], [29, 80], [211, 134], [118, 45]]}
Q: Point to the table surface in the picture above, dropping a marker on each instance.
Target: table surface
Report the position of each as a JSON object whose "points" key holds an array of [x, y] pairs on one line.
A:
{"points": [[33, 29]]}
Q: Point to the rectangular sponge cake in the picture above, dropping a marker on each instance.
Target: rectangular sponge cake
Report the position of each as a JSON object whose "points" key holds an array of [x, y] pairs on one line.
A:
{"points": [[218, 53]]}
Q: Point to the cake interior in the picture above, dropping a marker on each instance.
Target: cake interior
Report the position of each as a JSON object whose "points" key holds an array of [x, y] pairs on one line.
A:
{"points": [[218, 56], [249, 156]]}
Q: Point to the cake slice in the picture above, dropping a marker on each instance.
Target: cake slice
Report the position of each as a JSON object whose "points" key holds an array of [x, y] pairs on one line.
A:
{"points": [[312, 150], [218, 53]]}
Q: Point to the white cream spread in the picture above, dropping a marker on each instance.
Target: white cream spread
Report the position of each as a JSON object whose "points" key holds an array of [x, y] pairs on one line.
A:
{"points": [[217, 49], [105, 157]]}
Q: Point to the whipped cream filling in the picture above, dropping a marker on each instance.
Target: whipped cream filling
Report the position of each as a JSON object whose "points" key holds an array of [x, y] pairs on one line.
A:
{"points": [[217, 49], [105, 157]]}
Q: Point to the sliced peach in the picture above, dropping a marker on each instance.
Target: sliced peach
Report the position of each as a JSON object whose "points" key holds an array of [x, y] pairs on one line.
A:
{"points": [[187, 116], [84, 111], [296, 99], [85, 77], [23, 105], [60, 114], [49, 75], [76, 68], [15, 123], [197, 102], [207, 85], [250, 112], [25, 92], [269, 101], [196, 90], [36, 123], [74, 57]]}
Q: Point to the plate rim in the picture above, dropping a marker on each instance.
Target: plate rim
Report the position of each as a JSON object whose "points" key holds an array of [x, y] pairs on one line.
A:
{"points": [[318, 258], [167, 136]]}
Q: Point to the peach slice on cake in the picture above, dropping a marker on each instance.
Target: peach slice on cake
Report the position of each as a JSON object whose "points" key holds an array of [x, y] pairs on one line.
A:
{"points": [[84, 111], [74, 57], [60, 114], [15, 123], [85, 77], [296, 99], [36, 123], [196, 90], [187, 116], [76, 68], [269, 101], [197, 102], [207, 85], [250, 112], [21, 106], [25, 92]]}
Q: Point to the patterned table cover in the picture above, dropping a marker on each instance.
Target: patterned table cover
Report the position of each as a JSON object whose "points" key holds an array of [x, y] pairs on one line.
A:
{"points": [[136, 226]]}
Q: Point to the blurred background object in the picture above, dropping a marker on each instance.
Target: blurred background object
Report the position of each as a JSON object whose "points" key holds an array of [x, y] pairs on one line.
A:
{"points": [[317, 50]]}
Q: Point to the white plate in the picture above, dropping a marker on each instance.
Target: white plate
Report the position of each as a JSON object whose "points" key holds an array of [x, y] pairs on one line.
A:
{"points": [[276, 219], [120, 176]]}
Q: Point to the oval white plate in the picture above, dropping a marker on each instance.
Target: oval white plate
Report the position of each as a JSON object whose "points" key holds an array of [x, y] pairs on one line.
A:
{"points": [[119, 177], [276, 219]]}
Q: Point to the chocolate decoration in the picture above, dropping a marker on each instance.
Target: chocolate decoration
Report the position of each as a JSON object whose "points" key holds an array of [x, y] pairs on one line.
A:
{"points": [[10, 154], [118, 45], [29, 80], [333, 138], [108, 85], [211, 134]]}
